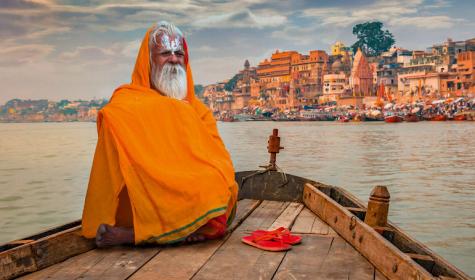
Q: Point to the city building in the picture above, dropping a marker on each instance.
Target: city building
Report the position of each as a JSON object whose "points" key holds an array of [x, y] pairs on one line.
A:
{"points": [[339, 49], [464, 84], [361, 78], [242, 90], [449, 49], [334, 86], [307, 78], [274, 77]]}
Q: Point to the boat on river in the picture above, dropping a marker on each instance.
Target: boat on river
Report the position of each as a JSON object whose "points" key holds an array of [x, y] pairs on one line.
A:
{"points": [[343, 119], [411, 117], [342, 238], [393, 119], [460, 117], [373, 119], [438, 118]]}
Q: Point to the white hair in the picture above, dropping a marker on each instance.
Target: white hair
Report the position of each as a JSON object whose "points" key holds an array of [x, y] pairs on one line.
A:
{"points": [[171, 79], [163, 27]]}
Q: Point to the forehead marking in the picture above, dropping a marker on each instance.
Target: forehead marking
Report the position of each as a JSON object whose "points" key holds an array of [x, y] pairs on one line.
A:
{"points": [[171, 43]]}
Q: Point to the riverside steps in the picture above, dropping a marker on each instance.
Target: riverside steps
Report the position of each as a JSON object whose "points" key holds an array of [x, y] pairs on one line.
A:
{"points": [[342, 238]]}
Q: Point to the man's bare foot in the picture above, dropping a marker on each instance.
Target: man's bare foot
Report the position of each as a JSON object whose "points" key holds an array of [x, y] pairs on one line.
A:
{"points": [[110, 236], [195, 237]]}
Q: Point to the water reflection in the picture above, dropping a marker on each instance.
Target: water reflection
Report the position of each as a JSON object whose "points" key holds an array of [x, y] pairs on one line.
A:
{"points": [[428, 168]]}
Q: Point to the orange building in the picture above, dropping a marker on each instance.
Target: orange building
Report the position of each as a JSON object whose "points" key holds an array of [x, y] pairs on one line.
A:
{"points": [[290, 79], [277, 69], [242, 91], [465, 83], [361, 79], [217, 98], [274, 77], [307, 77]]}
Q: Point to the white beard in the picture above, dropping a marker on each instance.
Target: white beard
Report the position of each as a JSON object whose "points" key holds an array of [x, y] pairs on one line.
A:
{"points": [[170, 81]]}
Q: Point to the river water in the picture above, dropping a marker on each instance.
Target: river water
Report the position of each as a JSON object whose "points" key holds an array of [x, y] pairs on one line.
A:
{"points": [[428, 167]]}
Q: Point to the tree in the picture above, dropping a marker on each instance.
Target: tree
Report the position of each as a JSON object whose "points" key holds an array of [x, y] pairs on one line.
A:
{"points": [[229, 86], [372, 40], [199, 90]]}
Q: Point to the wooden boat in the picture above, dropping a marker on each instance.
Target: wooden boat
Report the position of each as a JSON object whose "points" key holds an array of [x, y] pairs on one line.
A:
{"points": [[411, 118], [343, 119], [469, 115], [438, 118], [336, 242], [393, 119], [460, 117], [373, 119], [358, 118], [228, 119]]}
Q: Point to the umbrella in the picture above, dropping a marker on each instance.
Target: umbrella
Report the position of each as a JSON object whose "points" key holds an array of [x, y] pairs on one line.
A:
{"points": [[437, 101], [375, 113]]}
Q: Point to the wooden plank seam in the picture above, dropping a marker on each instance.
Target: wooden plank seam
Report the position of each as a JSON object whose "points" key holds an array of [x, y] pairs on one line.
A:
{"points": [[395, 264]]}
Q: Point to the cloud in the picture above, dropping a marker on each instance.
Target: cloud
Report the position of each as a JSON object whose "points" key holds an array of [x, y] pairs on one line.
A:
{"points": [[241, 19], [427, 22], [20, 4], [91, 45], [204, 49], [87, 53], [17, 55], [298, 35], [57, 30], [212, 69], [394, 13], [87, 56], [132, 15], [129, 49]]}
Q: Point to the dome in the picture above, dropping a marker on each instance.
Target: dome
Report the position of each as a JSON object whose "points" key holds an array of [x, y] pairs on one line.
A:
{"points": [[337, 66], [247, 64]]}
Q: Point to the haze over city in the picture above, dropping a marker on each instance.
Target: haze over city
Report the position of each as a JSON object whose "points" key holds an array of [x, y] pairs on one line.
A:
{"points": [[59, 49]]}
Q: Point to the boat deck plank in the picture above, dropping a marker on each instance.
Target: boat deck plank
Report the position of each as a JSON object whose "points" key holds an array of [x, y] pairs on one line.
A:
{"points": [[308, 223], [111, 263], [118, 263], [67, 268], [305, 260], [324, 257], [322, 254], [235, 260], [287, 218], [191, 258]]}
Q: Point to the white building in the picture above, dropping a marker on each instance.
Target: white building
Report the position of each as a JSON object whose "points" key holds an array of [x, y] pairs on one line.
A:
{"points": [[334, 86]]}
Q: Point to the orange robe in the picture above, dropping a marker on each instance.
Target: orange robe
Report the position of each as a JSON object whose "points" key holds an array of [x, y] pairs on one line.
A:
{"points": [[167, 155]]}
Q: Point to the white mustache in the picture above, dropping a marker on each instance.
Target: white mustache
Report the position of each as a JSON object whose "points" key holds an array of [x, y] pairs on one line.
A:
{"points": [[171, 80]]}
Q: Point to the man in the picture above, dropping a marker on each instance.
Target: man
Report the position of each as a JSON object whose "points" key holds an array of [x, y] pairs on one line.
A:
{"points": [[161, 173]]}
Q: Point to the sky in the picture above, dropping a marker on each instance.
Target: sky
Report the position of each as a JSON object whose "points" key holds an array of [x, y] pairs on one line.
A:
{"points": [[84, 49]]}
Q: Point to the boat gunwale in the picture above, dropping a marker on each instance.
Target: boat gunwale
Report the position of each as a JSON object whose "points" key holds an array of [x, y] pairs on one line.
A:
{"points": [[338, 194]]}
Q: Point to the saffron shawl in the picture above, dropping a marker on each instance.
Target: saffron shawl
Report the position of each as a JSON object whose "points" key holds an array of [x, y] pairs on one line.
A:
{"points": [[168, 155]]}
